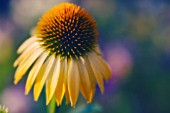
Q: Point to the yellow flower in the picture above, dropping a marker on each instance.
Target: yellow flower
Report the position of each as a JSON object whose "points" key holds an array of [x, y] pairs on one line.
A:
{"points": [[3, 109], [65, 56]]}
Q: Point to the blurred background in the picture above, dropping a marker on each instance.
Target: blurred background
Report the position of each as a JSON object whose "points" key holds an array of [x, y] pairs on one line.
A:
{"points": [[134, 36]]}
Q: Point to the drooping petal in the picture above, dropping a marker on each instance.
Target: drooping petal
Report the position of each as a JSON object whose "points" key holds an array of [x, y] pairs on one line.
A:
{"points": [[73, 81], [26, 44], [65, 76], [48, 82], [53, 80], [25, 64], [102, 66], [67, 94], [91, 78], [92, 92], [42, 76], [97, 49], [60, 89], [84, 80], [26, 53], [34, 71], [65, 66], [97, 72]]}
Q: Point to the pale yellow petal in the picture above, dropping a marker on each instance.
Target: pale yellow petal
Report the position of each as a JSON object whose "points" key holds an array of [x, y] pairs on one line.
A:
{"points": [[84, 80], [25, 65], [65, 76], [26, 44], [97, 72], [102, 66], [60, 89], [42, 76], [34, 71], [73, 81], [30, 49], [53, 80], [91, 78], [48, 83]]}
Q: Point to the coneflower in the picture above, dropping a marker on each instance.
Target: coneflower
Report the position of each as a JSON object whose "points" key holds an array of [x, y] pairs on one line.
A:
{"points": [[64, 55]]}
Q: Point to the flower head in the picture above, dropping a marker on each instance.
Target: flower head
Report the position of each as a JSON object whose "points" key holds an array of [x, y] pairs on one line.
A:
{"points": [[65, 56], [67, 30]]}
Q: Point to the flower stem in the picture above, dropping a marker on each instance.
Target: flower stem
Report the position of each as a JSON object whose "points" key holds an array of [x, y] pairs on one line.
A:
{"points": [[52, 106]]}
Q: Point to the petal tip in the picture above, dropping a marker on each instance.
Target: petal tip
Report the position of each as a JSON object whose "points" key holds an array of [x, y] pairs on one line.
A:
{"points": [[87, 102], [47, 102], [35, 98], [19, 51], [102, 92], [26, 92], [15, 64], [15, 82], [73, 105]]}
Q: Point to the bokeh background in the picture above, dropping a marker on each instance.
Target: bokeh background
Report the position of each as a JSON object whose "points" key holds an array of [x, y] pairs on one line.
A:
{"points": [[134, 36]]}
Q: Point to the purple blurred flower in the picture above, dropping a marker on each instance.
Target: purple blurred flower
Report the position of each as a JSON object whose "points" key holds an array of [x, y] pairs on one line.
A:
{"points": [[119, 59], [15, 100], [6, 30]]}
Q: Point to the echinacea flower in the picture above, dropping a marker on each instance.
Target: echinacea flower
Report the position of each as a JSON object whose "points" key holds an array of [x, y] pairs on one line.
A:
{"points": [[65, 56], [3, 109]]}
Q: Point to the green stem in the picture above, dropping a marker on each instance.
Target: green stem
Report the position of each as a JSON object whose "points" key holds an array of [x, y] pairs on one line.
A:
{"points": [[52, 106]]}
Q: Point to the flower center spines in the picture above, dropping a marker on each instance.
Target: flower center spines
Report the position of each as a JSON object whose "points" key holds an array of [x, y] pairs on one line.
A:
{"points": [[67, 30]]}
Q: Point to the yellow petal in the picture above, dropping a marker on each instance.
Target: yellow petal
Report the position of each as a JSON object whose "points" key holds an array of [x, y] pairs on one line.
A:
{"points": [[92, 92], [26, 53], [60, 89], [84, 80], [67, 94], [91, 78], [97, 49], [102, 66], [65, 76], [73, 81], [48, 83], [53, 80], [25, 64], [42, 76], [64, 66], [97, 72], [34, 71], [26, 44]]}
